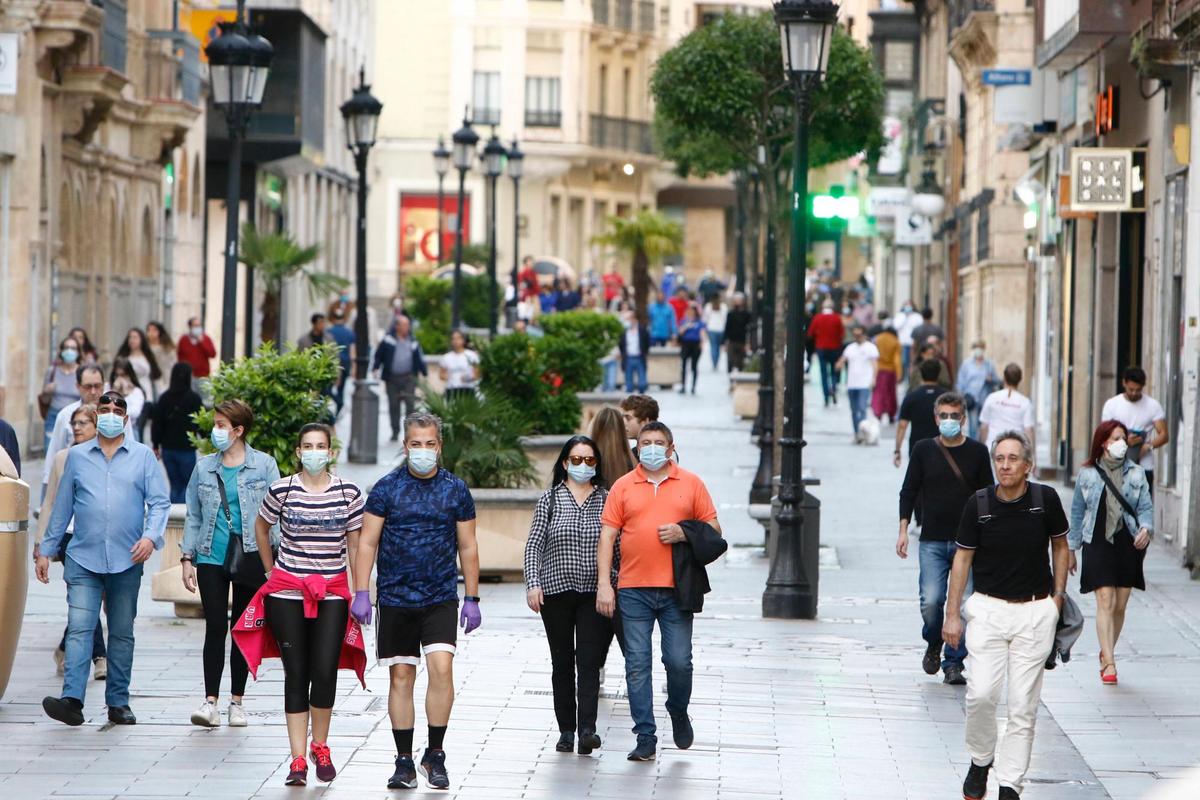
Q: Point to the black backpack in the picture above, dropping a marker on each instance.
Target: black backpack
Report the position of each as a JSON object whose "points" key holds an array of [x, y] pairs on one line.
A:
{"points": [[1036, 505]]}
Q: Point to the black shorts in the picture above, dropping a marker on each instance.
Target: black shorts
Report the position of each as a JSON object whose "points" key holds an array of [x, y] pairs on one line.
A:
{"points": [[404, 633]]}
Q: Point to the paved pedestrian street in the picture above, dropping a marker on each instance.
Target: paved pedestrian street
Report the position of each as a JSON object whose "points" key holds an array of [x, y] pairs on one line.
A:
{"points": [[824, 710]]}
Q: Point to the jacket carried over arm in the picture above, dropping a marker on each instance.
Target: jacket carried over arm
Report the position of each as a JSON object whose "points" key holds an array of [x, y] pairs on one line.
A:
{"points": [[689, 559]]}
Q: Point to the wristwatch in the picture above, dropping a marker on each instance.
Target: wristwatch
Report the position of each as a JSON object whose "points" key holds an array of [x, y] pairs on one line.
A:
{"points": [[471, 598], [185, 558]]}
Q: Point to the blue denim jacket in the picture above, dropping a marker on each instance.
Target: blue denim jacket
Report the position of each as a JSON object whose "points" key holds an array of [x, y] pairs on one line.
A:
{"points": [[1089, 486], [204, 502]]}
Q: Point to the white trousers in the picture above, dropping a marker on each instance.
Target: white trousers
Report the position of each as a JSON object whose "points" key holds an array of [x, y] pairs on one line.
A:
{"points": [[1013, 639]]}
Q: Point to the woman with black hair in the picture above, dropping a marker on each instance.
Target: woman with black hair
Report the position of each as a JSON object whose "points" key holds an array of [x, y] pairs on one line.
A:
{"points": [[136, 350], [172, 422], [560, 578]]}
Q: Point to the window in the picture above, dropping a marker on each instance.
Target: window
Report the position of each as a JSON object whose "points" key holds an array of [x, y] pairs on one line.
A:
{"points": [[543, 108], [898, 103], [486, 98], [897, 60]]}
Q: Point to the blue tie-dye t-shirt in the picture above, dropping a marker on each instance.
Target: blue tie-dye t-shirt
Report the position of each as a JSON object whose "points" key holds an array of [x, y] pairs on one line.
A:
{"points": [[418, 551]]}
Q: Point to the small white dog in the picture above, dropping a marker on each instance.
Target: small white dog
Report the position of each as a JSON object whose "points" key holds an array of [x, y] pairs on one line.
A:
{"points": [[868, 431]]}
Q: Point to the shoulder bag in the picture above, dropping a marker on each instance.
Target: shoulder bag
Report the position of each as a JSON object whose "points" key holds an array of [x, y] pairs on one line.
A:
{"points": [[240, 567], [1115, 492], [953, 464]]}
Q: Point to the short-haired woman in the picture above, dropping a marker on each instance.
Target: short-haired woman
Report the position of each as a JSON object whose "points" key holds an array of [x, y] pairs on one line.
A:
{"points": [[1112, 520], [223, 495], [560, 578]]}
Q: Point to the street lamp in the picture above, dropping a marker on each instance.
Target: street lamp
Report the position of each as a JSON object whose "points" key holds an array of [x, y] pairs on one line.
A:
{"points": [[927, 196], [361, 114], [806, 27], [493, 166], [516, 169], [238, 63], [764, 424], [464, 141], [441, 165]]}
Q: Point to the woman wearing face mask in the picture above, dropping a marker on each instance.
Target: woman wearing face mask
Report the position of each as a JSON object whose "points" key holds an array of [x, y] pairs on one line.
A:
{"points": [[223, 496], [1112, 520], [125, 382], [306, 599], [59, 388], [87, 351], [560, 579]]}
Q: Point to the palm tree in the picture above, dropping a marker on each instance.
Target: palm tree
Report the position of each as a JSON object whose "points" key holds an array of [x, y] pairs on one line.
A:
{"points": [[646, 236], [275, 259]]}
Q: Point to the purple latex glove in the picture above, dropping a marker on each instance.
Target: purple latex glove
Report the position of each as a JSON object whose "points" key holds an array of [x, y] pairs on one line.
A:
{"points": [[360, 609], [470, 618]]}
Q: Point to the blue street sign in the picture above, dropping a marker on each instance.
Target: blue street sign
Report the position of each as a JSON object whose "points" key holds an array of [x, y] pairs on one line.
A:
{"points": [[1007, 77]]}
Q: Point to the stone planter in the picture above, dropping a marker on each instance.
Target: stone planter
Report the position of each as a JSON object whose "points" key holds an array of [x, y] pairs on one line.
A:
{"points": [[744, 388], [662, 368], [592, 403], [167, 584], [543, 452], [502, 518]]}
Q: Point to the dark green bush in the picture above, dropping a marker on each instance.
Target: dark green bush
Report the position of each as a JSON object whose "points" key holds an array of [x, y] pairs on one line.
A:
{"points": [[481, 441], [516, 369]]}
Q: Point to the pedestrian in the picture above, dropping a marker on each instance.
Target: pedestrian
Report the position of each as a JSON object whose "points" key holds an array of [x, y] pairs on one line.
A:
{"points": [[398, 362], [1143, 418], [124, 380], [644, 510], [917, 410], [113, 487], [315, 334], [527, 279], [715, 316], [637, 410], [663, 326], [943, 474], [87, 351], [196, 349], [223, 496], [827, 331], [548, 298], [927, 328], [864, 310], [568, 299], [306, 597], [861, 360], [1006, 410], [609, 438], [343, 337], [1112, 501], [83, 429], [977, 378], [170, 429], [906, 322], [928, 351], [691, 338], [613, 283], [889, 369], [459, 368], [419, 518], [671, 280], [679, 302], [159, 342], [709, 287], [59, 387], [560, 584], [737, 329], [89, 381], [634, 347], [144, 363], [1003, 541]]}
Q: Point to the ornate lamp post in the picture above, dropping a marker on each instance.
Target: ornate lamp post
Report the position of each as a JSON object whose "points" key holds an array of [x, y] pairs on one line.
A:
{"points": [[516, 169], [464, 141], [238, 62], [361, 114], [764, 423], [441, 165], [806, 27], [493, 167]]}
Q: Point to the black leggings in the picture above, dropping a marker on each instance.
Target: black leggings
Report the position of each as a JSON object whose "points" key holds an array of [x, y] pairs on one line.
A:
{"points": [[689, 351], [309, 649], [214, 598], [579, 639]]}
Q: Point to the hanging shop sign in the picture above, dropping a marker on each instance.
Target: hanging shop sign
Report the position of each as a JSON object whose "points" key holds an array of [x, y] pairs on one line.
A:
{"points": [[8, 63], [1101, 179], [912, 229], [887, 201]]}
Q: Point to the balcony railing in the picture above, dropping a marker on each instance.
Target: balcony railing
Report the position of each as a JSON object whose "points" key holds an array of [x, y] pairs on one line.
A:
{"points": [[485, 116], [543, 119], [961, 9], [645, 17], [617, 133], [600, 11], [626, 15]]}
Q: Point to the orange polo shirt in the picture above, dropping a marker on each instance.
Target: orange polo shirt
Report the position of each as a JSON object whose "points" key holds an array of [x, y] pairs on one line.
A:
{"points": [[636, 507]]}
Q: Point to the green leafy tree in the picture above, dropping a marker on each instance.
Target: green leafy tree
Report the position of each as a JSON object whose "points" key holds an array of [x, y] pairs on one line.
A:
{"points": [[481, 440], [646, 236], [276, 258]]}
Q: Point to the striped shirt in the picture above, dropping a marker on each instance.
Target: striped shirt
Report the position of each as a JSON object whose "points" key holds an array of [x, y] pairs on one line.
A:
{"points": [[313, 525]]}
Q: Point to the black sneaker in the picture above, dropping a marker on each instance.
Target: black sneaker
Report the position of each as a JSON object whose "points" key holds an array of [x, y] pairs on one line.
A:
{"points": [[433, 767], [588, 742], [931, 662], [566, 742], [405, 776], [975, 786], [646, 749], [121, 715], [1009, 793], [954, 676], [66, 710], [681, 731]]}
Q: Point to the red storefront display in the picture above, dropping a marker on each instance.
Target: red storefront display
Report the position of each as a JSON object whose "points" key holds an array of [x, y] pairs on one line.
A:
{"points": [[418, 231]]}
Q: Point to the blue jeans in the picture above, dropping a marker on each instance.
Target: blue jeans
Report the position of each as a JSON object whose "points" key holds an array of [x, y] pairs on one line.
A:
{"points": [[905, 360], [639, 609], [98, 650], [85, 589], [973, 422], [860, 401], [179, 465], [829, 373], [635, 366], [935, 560], [715, 340], [609, 383]]}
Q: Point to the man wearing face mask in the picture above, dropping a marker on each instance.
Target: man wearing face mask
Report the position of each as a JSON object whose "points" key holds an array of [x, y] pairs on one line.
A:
{"points": [[89, 379], [115, 490], [943, 473], [419, 518], [645, 508], [977, 378], [197, 349]]}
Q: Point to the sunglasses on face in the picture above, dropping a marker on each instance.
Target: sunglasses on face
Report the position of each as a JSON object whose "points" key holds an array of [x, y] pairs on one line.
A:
{"points": [[577, 460], [950, 415]]}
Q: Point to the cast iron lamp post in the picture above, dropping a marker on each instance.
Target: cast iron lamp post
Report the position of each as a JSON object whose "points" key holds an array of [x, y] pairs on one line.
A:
{"points": [[516, 169], [464, 140], [441, 165], [493, 167]]}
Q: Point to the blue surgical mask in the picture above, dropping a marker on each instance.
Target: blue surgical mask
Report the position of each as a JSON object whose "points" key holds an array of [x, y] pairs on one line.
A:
{"points": [[220, 439], [422, 460], [314, 461], [652, 456], [950, 428], [110, 425], [581, 473], [70, 356]]}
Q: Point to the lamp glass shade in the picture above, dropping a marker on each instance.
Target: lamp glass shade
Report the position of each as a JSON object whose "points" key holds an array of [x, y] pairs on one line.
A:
{"points": [[441, 159], [928, 204], [230, 57], [493, 157], [261, 54], [465, 139], [805, 29], [516, 162], [219, 75]]}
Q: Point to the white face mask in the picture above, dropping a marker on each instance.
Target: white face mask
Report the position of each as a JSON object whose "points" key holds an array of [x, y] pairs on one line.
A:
{"points": [[197, 332], [1118, 449]]}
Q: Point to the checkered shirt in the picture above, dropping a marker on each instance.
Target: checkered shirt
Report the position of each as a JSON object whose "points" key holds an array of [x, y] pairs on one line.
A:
{"points": [[560, 553]]}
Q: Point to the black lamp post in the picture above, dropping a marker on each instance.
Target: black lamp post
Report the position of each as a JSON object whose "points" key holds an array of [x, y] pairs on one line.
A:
{"points": [[806, 27], [493, 167], [441, 165], [516, 169], [361, 113], [764, 423], [238, 63], [464, 140], [739, 187]]}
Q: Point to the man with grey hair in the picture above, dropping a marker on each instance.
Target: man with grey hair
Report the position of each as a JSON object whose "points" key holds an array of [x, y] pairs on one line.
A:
{"points": [[419, 518], [737, 327], [1005, 538]]}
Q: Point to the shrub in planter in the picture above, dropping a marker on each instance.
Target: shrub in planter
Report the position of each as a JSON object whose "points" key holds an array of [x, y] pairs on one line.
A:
{"points": [[516, 369], [428, 300], [574, 343], [481, 441]]}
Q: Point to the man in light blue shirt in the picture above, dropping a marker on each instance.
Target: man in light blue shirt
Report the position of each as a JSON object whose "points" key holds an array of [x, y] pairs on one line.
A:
{"points": [[977, 378], [115, 490]]}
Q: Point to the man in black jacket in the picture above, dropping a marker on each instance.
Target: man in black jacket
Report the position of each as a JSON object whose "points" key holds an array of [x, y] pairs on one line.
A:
{"points": [[398, 362], [943, 473], [634, 346], [737, 329]]}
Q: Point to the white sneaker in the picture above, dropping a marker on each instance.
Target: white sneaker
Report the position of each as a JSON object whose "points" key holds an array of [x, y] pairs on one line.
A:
{"points": [[237, 716], [100, 668], [207, 715]]}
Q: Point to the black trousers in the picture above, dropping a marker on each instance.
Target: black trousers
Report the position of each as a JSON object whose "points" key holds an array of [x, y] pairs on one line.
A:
{"points": [[309, 649], [689, 351], [579, 638], [214, 599]]}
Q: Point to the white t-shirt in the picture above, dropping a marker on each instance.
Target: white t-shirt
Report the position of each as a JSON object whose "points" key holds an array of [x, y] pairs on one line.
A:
{"points": [[905, 324], [714, 318], [860, 362], [460, 369], [1006, 410], [1139, 416], [633, 342]]}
